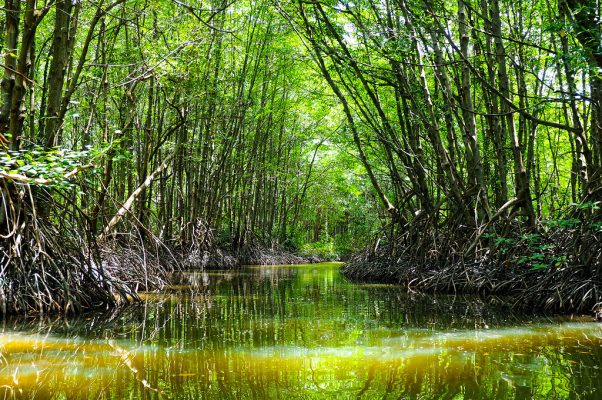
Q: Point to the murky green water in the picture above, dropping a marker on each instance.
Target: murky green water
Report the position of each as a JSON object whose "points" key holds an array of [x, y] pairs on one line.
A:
{"points": [[300, 332]]}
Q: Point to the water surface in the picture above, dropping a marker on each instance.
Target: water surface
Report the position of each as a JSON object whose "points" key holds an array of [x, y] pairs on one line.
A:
{"points": [[301, 332]]}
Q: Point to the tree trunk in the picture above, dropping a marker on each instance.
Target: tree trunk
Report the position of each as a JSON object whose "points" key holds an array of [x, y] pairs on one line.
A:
{"points": [[12, 10], [56, 73], [523, 190]]}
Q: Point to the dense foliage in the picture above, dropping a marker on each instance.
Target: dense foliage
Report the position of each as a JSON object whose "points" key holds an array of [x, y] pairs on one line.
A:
{"points": [[473, 107], [310, 125], [222, 92]]}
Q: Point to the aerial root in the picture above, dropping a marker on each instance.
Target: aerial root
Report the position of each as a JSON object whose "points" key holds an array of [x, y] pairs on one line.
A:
{"points": [[557, 271], [46, 266]]}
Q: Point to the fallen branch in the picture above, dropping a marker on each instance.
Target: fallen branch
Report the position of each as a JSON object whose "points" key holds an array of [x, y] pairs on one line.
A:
{"points": [[133, 197]]}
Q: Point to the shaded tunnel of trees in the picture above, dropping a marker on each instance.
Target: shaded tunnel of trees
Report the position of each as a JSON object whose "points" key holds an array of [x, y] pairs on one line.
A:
{"points": [[432, 132]]}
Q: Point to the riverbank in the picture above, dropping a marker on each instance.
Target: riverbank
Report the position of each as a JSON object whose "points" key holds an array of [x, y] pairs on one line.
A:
{"points": [[218, 258], [555, 271], [52, 270]]}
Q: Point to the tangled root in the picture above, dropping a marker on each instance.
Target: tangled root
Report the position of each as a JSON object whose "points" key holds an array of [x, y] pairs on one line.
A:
{"points": [[44, 269], [555, 271]]}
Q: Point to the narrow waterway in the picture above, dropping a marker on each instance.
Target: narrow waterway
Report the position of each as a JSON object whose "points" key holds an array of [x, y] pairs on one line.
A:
{"points": [[301, 332]]}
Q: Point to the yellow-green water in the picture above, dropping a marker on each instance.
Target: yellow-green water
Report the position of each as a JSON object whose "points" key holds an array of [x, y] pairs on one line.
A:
{"points": [[301, 332]]}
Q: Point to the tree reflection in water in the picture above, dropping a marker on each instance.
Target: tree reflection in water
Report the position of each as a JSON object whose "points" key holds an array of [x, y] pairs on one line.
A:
{"points": [[299, 332]]}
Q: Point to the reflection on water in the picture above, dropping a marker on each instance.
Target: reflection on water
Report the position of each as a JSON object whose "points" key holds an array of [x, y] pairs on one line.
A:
{"points": [[300, 332]]}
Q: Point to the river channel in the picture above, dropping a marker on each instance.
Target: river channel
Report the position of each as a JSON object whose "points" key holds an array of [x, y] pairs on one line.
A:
{"points": [[301, 332]]}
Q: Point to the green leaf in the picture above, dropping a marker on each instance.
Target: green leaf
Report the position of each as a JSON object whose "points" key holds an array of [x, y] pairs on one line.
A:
{"points": [[538, 266]]}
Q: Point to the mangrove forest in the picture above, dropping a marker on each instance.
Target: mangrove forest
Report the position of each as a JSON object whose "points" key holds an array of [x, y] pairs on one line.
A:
{"points": [[300, 199]]}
